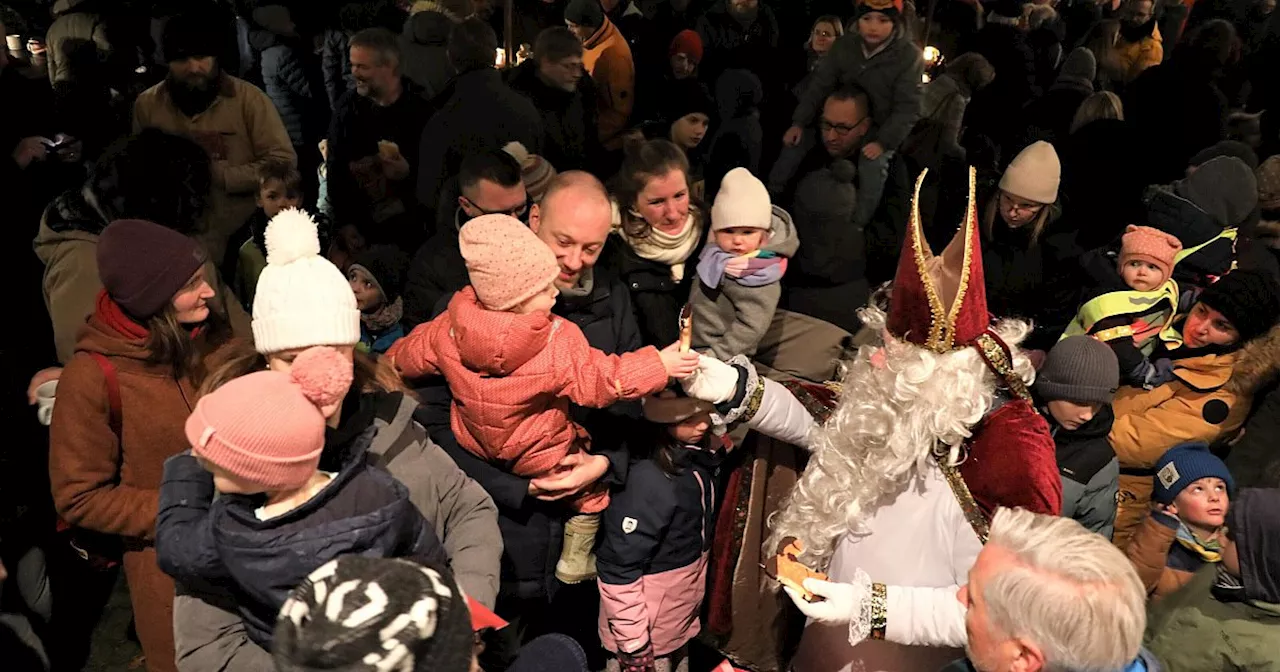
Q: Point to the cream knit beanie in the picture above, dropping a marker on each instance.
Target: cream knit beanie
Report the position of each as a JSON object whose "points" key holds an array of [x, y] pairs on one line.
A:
{"points": [[302, 299], [1034, 174], [743, 201]]}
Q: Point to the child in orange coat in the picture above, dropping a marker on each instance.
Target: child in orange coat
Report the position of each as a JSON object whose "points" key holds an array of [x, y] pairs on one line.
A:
{"points": [[513, 368]]}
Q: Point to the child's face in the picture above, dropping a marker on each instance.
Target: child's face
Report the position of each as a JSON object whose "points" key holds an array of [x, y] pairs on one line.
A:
{"points": [[1203, 503], [740, 239], [228, 483], [689, 130], [273, 197], [1142, 276], [692, 430], [368, 298], [875, 28], [542, 302], [1072, 415]]}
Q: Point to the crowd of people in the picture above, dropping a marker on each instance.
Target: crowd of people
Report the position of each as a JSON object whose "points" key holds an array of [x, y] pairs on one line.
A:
{"points": [[812, 335]]}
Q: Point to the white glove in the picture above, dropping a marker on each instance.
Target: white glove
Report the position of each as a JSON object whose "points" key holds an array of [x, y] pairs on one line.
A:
{"points": [[840, 603], [714, 381]]}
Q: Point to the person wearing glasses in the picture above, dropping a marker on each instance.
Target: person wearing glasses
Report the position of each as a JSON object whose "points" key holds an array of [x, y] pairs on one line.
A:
{"points": [[489, 183], [1018, 256], [878, 57]]}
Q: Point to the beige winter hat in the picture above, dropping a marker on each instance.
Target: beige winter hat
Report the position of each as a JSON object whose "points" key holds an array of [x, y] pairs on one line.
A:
{"points": [[1034, 174]]}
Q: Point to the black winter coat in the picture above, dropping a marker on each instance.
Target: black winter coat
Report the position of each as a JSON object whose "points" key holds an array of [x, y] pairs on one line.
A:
{"points": [[478, 112], [532, 530], [422, 51], [292, 79], [726, 43], [658, 522], [335, 63], [656, 297], [569, 138], [1033, 282], [358, 124], [1102, 166], [363, 511], [1179, 111], [436, 272]]}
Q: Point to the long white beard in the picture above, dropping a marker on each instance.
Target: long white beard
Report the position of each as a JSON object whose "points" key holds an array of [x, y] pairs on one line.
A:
{"points": [[893, 413]]}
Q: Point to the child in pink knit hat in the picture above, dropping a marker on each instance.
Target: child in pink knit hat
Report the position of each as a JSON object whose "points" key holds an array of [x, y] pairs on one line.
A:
{"points": [[513, 368], [1134, 302], [256, 441]]}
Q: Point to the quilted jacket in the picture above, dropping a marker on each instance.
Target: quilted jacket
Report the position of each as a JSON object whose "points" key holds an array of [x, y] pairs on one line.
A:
{"points": [[513, 376]]}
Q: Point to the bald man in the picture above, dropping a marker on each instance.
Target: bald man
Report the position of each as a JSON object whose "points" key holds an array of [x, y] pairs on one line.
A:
{"points": [[573, 220]]}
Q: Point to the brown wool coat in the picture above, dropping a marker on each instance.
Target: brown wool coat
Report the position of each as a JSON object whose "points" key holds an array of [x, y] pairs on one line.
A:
{"points": [[111, 485], [1208, 401], [1149, 553], [240, 131]]}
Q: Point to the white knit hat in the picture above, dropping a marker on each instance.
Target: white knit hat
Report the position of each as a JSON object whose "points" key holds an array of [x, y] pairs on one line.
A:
{"points": [[1034, 174], [743, 202], [302, 299]]}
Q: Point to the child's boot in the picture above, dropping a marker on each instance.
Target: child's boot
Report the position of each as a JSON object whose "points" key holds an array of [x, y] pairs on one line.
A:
{"points": [[577, 558]]}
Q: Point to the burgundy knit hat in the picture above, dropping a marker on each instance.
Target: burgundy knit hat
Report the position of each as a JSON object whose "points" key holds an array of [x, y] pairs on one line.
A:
{"points": [[142, 264], [1150, 245], [267, 428], [507, 263], [687, 42]]}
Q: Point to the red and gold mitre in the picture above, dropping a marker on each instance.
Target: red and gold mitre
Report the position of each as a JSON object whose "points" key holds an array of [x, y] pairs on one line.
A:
{"points": [[940, 302]]}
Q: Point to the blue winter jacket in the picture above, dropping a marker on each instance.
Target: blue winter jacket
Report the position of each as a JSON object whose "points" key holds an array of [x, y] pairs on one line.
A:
{"points": [[363, 511]]}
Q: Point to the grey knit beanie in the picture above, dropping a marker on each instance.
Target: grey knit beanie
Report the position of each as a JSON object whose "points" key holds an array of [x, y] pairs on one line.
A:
{"points": [[1078, 71], [1224, 187], [1079, 369]]}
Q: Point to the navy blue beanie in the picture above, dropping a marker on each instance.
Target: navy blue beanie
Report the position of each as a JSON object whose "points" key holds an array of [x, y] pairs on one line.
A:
{"points": [[1183, 465]]}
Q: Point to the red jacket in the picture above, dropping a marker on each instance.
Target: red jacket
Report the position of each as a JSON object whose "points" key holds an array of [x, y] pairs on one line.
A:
{"points": [[512, 378]]}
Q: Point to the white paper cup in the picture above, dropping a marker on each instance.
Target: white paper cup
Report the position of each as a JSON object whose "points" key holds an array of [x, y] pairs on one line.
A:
{"points": [[13, 42], [45, 396]]}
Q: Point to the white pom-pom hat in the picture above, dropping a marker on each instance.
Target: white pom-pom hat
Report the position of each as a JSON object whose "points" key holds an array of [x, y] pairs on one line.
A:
{"points": [[302, 299]]}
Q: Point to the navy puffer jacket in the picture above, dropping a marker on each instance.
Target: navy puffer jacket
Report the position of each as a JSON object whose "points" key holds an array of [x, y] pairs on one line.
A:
{"points": [[363, 511], [294, 84]]}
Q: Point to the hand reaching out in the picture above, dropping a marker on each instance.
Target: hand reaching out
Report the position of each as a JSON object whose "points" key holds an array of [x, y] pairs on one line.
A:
{"points": [[679, 365]]}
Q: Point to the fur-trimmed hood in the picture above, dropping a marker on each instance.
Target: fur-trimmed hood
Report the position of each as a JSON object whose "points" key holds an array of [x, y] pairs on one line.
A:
{"points": [[1257, 365]]}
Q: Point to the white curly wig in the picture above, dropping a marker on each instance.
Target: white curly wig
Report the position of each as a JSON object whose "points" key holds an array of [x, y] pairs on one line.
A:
{"points": [[897, 406]]}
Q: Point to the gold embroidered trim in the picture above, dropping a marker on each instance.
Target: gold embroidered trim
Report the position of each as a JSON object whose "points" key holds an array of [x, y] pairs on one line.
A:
{"points": [[972, 512], [753, 404], [998, 359], [970, 221], [879, 610], [937, 312]]}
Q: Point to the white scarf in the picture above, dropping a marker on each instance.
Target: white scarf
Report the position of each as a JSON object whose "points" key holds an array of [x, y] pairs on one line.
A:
{"points": [[672, 249]]}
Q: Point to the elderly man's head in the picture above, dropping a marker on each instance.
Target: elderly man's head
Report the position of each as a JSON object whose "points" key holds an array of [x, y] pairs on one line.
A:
{"points": [[573, 219], [1046, 594]]}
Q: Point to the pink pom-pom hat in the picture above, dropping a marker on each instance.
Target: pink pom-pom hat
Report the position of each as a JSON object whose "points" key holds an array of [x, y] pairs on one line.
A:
{"points": [[268, 428]]}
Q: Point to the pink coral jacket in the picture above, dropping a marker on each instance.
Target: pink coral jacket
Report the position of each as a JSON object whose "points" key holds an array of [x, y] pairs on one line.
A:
{"points": [[512, 378]]}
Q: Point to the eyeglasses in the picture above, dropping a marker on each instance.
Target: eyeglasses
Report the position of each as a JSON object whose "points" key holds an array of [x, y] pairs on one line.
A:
{"points": [[823, 33], [519, 212], [1007, 202], [839, 129]]}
